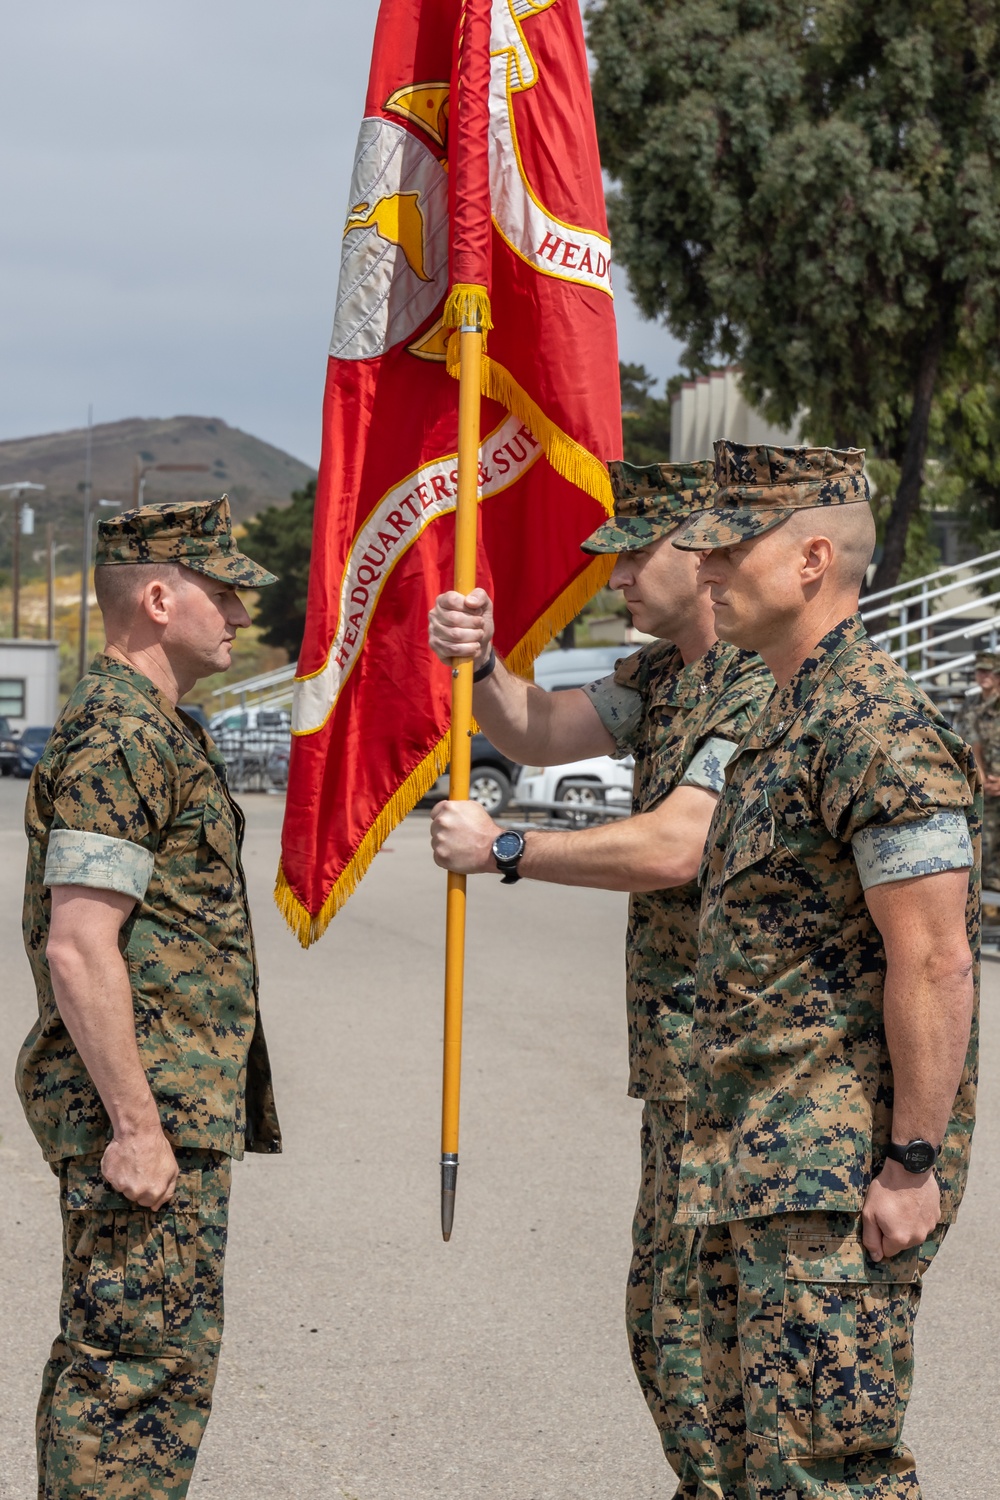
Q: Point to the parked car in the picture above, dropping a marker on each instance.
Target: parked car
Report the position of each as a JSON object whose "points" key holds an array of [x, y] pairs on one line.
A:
{"points": [[30, 744], [492, 780], [256, 743], [8, 747], [575, 667], [493, 773], [595, 782], [247, 722], [196, 711]]}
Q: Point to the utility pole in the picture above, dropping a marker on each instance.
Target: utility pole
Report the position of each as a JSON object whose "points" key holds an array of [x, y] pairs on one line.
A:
{"points": [[16, 491], [16, 569], [50, 593], [85, 569]]}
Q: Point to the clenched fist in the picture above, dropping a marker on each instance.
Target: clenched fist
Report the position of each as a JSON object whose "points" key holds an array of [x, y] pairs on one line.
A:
{"points": [[461, 625], [462, 835]]}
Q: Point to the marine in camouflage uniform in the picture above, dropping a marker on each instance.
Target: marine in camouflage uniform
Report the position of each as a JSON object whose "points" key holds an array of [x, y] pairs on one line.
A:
{"points": [[681, 720], [130, 797], [981, 728], [850, 780]]}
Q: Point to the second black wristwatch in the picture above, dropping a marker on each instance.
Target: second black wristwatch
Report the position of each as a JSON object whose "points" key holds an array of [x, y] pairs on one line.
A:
{"points": [[915, 1156], [507, 850]]}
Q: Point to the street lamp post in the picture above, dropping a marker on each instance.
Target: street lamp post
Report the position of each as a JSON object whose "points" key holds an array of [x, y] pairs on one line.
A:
{"points": [[50, 582], [141, 470], [16, 491]]}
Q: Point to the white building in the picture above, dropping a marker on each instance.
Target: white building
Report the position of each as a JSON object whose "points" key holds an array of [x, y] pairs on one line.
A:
{"points": [[29, 682], [713, 406]]}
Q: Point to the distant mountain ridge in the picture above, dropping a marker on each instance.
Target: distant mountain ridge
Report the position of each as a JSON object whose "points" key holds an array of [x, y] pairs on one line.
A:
{"points": [[253, 473]]}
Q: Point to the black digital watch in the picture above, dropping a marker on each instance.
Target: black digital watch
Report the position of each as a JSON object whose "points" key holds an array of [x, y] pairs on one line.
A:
{"points": [[916, 1156], [507, 850]]}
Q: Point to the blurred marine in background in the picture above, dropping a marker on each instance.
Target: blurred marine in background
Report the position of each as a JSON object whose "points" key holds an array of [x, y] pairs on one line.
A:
{"points": [[981, 727]]}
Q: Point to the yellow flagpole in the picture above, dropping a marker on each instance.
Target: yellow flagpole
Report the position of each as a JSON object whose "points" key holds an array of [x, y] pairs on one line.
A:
{"points": [[470, 354]]}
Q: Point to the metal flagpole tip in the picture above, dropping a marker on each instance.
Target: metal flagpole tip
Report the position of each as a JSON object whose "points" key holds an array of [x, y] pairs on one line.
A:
{"points": [[449, 1176]]}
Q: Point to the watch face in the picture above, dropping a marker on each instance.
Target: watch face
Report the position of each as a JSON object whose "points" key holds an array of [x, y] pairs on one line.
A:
{"points": [[920, 1155], [507, 845]]}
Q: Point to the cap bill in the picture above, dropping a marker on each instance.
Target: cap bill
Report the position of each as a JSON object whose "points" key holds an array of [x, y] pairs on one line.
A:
{"points": [[628, 533], [232, 568], [724, 528]]}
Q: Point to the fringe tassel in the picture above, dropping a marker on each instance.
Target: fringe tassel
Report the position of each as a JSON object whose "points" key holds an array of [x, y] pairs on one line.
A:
{"points": [[565, 608], [566, 456], [467, 303], [308, 928]]}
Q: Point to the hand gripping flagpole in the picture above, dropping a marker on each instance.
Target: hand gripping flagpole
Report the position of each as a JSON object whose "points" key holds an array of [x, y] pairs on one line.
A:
{"points": [[470, 353]]}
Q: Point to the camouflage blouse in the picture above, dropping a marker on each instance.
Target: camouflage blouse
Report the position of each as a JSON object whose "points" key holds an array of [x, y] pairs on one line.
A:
{"points": [[130, 795], [851, 778], [681, 723]]}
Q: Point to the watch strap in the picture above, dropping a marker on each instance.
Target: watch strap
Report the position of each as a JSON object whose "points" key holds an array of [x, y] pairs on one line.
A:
{"points": [[487, 668]]}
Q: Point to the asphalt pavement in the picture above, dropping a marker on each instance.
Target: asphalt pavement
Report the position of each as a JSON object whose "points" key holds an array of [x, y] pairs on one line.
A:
{"points": [[366, 1360]]}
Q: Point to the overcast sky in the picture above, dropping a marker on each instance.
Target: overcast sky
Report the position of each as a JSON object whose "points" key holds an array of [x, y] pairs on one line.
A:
{"points": [[173, 184]]}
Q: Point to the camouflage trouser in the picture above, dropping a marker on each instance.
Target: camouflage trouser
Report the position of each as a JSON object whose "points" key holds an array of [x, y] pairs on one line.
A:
{"points": [[661, 1308], [807, 1353], [127, 1390]]}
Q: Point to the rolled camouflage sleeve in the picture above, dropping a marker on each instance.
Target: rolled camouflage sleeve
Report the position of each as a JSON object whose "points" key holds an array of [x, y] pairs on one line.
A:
{"points": [[924, 847], [620, 710], [902, 802], [108, 807], [97, 861], [707, 767]]}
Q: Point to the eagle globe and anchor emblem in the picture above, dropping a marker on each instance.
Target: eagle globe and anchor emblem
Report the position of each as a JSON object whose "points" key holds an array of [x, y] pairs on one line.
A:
{"points": [[394, 264]]}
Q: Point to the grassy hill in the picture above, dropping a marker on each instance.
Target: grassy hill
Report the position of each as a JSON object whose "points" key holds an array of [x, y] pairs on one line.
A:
{"points": [[253, 473]]}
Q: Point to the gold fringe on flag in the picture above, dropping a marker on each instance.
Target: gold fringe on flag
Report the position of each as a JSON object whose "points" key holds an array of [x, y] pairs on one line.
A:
{"points": [[568, 457], [468, 304], [566, 608], [308, 928]]}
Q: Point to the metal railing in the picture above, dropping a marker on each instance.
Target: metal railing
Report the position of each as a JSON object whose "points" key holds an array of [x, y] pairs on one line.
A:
{"points": [[912, 621], [268, 689], [256, 757]]}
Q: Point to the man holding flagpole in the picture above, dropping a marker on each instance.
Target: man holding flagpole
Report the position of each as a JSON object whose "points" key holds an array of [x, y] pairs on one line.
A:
{"points": [[680, 705]]}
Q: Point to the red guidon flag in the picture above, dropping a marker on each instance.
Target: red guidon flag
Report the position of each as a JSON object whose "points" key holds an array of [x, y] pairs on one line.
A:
{"points": [[476, 173]]}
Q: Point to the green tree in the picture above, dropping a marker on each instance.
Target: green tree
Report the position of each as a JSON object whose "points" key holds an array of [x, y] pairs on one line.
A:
{"points": [[810, 190], [645, 417], [281, 539], [965, 438]]}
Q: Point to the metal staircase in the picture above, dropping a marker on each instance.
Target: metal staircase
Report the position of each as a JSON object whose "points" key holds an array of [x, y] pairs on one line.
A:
{"points": [[269, 690], [935, 625]]}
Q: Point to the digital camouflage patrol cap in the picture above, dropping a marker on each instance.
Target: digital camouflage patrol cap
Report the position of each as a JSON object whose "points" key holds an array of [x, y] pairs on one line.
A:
{"points": [[650, 500], [759, 487], [987, 661], [197, 533]]}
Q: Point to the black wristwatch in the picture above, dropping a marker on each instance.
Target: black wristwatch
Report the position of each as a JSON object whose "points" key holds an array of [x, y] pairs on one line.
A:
{"points": [[916, 1156], [507, 850]]}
